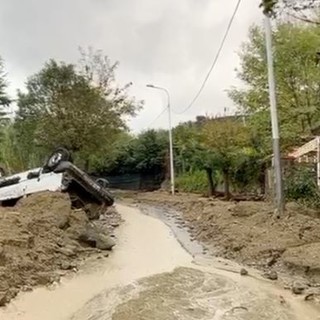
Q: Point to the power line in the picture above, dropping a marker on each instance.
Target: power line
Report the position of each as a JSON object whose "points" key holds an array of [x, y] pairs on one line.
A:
{"points": [[215, 59], [158, 116]]}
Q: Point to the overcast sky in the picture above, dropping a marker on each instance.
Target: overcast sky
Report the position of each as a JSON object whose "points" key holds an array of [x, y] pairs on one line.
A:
{"points": [[169, 43]]}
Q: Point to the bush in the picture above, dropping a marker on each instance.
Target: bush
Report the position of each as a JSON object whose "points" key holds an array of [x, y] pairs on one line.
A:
{"points": [[192, 182], [301, 186]]}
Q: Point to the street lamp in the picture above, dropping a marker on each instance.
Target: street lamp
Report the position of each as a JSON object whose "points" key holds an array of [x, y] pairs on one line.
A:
{"points": [[170, 135], [274, 118]]}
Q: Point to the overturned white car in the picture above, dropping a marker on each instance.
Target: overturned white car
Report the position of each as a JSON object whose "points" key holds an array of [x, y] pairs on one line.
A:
{"points": [[58, 174]]}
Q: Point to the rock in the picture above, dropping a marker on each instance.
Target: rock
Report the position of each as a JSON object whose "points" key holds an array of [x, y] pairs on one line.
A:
{"points": [[6, 296], [309, 297], [68, 251], [63, 222], [271, 261], [53, 286], [244, 272], [105, 242], [3, 298], [298, 287], [271, 275], [115, 224], [2, 256], [43, 278], [26, 288], [95, 236], [65, 265]]}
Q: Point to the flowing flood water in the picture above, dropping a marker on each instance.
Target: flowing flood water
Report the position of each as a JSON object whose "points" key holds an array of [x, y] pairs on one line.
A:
{"points": [[151, 276]]}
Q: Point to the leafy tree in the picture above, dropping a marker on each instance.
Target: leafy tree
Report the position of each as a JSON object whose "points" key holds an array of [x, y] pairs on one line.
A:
{"points": [[10, 151], [297, 77], [4, 99], [144, 154], [273, 6], [191, 155], [226, 139], [63, 106], [150, 150]]}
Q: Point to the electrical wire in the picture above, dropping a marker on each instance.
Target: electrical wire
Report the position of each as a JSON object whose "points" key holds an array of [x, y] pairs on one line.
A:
{"points": [[214, 61], [158, 116]]}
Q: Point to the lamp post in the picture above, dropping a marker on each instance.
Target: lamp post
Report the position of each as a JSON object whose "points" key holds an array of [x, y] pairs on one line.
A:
{"points": [[274, 118], [170, 135]]}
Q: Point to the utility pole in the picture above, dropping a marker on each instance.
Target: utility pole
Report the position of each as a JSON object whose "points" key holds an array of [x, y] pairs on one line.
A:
{"points": [[274, 119], [170, 136]]}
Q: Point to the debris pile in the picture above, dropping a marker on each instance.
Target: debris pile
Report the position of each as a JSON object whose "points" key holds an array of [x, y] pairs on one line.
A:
{"points": [[42, 235]]}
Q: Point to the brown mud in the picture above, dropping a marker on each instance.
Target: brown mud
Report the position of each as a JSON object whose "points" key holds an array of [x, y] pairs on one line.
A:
{"points": [[42, 239], [150, 276], [248, 233]]}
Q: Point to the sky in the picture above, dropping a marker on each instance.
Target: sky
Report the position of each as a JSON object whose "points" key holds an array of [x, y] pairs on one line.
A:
{"points": [[168, 43]]}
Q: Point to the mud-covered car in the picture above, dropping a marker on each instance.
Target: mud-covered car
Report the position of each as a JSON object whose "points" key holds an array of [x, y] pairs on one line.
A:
{"points": [[58, 174]]}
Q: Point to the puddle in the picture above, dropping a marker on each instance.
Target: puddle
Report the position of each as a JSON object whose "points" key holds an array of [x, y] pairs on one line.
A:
{"points": [[173, 220]]}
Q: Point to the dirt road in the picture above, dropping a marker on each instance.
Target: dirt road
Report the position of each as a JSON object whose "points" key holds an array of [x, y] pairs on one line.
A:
{"points": [[150, 276]]}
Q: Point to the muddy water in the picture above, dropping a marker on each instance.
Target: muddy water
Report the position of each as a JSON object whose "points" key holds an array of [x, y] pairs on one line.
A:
{"points": [[151, 276], [145, 247]]}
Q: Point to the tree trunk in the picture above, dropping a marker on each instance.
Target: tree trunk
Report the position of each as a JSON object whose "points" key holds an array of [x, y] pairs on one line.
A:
{"points": [[262, 179], [87, 165], [226, 179], [211, 188]]}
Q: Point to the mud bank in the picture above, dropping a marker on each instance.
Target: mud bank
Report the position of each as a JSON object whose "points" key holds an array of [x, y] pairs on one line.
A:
{"points": [[150, 276], [42, 239], [248, 233]]}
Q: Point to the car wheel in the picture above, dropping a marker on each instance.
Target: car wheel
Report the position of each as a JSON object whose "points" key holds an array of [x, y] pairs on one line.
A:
{"points": [[58, 156]]}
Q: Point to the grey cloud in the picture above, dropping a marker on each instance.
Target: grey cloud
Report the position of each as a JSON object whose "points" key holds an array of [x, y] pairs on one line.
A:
{"points": [[170, 43]]}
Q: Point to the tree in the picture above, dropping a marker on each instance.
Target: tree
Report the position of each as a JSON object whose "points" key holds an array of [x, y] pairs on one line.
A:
{"points": [[226, 139], [150, 150], [296, 75], [4, 99], [191, 155], [143, 154], [272, 6], [64, 106]]}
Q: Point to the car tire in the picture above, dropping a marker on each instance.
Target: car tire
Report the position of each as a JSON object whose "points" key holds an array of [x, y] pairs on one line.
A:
{"points": [[58, 156]]}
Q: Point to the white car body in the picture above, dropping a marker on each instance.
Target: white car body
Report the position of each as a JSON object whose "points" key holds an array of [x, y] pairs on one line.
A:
{"points": [[45, 182]]}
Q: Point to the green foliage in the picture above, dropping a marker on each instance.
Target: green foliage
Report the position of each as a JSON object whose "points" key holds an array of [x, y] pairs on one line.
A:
{"points": [[4, 101], [187, 145], [247, 170], [297, 74], [274, 7], [195, 182], [144, 153], [226, 138], [10, 155], [301, 186], [82, 110], [268, 6], [149, 151]]}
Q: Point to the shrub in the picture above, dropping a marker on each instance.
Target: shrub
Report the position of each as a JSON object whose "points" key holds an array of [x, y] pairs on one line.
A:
{"points": [[192, 182]]}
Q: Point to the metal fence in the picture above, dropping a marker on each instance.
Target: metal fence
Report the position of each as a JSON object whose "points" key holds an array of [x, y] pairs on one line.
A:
{"points": [[134, 182]]}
